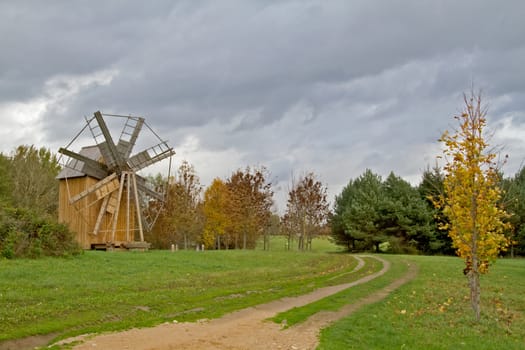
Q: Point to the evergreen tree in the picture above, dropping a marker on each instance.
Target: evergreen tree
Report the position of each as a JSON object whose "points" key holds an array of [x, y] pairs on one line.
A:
{"points": [[431, 188], [514, 202], [405, 218]]}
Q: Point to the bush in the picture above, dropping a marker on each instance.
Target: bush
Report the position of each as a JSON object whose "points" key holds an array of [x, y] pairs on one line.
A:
{"points": [[26, 234], [397, 245]]}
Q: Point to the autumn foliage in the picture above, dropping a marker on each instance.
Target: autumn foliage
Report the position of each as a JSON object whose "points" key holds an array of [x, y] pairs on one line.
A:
{"points": [[306, 211], [181, 220], [217, 206], [233, 213], [476, 223], [251, 201]]}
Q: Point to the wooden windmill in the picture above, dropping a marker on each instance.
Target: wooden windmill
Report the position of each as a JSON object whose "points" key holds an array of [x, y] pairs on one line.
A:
{"points": [[101, 196]]}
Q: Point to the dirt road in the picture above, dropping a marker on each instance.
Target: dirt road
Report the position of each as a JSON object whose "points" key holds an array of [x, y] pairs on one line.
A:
{"points": [[247, 328]]}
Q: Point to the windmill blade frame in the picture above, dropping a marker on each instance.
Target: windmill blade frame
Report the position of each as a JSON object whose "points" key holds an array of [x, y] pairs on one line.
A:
{"points": [[150, 156], [131, 129], [89, 166], [108, 149]]}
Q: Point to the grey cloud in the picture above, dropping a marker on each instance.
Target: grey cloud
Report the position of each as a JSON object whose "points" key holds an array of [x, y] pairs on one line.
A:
{"points": [[331, 87]]}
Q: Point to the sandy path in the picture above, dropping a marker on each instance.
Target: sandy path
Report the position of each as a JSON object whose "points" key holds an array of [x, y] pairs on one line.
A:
{"points": [[247, 328]]}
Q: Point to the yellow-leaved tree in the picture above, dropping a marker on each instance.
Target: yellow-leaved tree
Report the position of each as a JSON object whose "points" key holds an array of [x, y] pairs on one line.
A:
{"points": [[471, 196], [217, 204]]}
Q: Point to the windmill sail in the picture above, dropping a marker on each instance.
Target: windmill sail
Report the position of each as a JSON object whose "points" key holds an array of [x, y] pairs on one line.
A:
{"points": [[150, 156], [84, 164], [129, 136], [107, 147], [141, 185]]}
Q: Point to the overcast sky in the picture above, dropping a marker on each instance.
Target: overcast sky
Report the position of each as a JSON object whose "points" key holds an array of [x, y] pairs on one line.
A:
{"points": [[332, 87]]}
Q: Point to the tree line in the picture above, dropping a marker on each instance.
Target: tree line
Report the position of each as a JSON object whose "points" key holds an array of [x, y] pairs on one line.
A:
{"points": [[370, 213], [390, 214], [236, 212]]}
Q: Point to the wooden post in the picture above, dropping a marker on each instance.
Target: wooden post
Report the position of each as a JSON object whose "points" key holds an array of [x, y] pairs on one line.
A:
{"points": [[101, 213], [137, 206], [127, 207], [119, 199]]}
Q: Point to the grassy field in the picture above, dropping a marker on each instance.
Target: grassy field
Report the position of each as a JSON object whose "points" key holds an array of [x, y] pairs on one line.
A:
{"points": [[335, 302], [101, 291], [433, 311]]}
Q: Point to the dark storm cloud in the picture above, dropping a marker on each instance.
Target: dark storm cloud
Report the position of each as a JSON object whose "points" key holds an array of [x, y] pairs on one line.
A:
{"points": [[326, 86]]}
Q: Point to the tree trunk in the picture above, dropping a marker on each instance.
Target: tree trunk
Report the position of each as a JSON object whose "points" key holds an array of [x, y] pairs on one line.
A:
{"points": [[303, 233], [475, 291], [244, 240], [473, 274]]}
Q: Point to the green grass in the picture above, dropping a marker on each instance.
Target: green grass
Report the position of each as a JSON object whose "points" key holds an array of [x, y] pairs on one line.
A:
{"points": [[433, 312], [348, 296], [320, 244], [100, 291], [103, 291]]}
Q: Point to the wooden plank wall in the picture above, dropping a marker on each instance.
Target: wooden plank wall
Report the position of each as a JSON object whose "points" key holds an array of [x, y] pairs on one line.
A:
{"points": [[82, 216]]}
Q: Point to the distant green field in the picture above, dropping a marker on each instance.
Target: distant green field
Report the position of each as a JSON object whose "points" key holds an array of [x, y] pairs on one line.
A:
{"points": [[433, 311], [280, 244]]}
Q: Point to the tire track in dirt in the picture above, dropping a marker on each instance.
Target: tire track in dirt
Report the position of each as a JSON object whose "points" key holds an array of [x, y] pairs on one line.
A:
{"points": [[247, 328]]}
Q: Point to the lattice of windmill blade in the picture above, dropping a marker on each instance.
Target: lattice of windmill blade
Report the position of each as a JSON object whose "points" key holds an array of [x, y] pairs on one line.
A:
{"points": [[128, 136], [147, 221], [149, 217], [79, 164], [104, 141], [150, 156], [75, 165], [151, 202]]}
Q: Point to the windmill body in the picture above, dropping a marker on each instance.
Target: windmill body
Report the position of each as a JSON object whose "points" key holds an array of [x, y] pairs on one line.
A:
{"points": [[101, 196]]}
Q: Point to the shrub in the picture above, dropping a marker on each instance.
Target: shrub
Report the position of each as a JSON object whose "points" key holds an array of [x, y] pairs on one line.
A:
{"points": [[26, 234]]}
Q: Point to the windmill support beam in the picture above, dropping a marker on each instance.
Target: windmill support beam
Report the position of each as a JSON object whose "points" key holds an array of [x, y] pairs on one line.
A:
{"points": [[137, 204], [128, 208], [100, 216], [119, 199], [93, 188]]}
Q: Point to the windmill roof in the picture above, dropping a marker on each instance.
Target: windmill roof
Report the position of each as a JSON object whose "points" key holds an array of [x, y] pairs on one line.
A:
{"points": [[73, 168]]}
